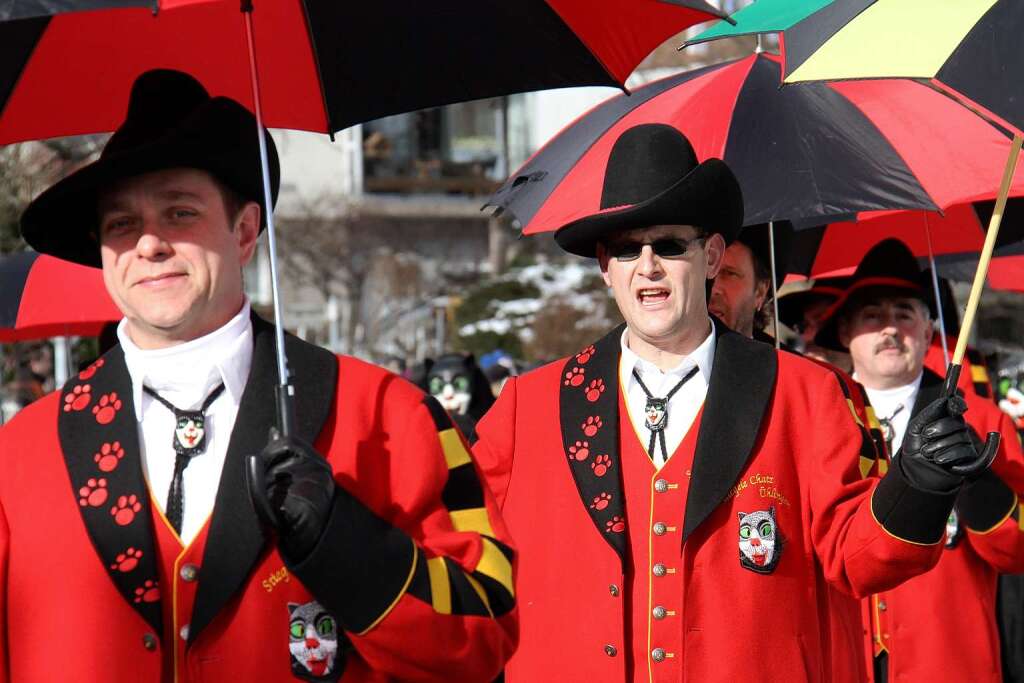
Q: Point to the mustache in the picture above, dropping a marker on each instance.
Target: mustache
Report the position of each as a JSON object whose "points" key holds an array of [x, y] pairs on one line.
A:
{"points": [[889, 343]]}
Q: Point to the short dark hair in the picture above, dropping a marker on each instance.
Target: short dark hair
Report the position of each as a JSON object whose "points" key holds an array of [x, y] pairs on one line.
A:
{"points": [[233, 202]]}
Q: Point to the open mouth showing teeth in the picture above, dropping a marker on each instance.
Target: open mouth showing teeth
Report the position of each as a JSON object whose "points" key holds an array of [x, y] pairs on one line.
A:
{"points": [[652, 296]]}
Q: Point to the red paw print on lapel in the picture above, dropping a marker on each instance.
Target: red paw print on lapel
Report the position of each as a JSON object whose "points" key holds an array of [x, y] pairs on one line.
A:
{"points": [[585, 355], [127, 561], [93, 494], [591, 426], [125, 509], [109, 456], [147, 592], [601, 465], [595, 389], [580, 451], [615, 525], [90, 371], [574, 377], [601, 501], [78, 399], [107, 408]]}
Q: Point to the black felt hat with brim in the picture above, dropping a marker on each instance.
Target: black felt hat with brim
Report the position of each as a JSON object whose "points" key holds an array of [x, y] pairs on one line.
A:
{"points": [[172, 122], [653, 178], [755, 237], [792, 304], [889, 269]]}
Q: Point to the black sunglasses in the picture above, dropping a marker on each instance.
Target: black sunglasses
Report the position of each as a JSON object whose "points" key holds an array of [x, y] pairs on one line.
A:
{"points": [[667, 247]]}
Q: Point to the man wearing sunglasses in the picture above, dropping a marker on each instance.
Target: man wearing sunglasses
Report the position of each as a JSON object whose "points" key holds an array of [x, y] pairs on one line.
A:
{"points": [[691, 504]]}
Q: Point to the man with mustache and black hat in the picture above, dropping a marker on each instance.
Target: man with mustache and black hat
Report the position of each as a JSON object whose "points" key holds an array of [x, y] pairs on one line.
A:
{"points": [[939, 626], [689, 503], [130, 544]]}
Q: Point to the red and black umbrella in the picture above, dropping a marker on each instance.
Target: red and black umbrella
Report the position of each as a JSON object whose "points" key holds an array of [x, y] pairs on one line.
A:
{"points": [[42, 296], [949, 236], [323, 65], [818, 151], [318, 65]]}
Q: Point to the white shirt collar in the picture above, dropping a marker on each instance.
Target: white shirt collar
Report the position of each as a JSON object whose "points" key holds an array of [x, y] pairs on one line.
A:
{"points": [[185, 374], [703, 357]]}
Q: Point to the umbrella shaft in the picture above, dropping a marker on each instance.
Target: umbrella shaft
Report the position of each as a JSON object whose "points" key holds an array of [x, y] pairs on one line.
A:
{"points": [[986, 252], [284, 390]]}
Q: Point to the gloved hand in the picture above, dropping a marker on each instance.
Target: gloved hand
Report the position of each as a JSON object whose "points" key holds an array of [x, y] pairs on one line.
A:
{"points": [[938, 453], [291, 487]]}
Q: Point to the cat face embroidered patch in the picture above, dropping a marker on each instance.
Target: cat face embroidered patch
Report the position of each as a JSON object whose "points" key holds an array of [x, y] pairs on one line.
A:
{"points": [[760, 540], [313, 642]]}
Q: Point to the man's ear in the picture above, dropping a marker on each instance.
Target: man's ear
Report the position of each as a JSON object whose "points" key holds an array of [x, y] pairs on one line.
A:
{"points": [[602, 263], [247, 229], [714, 253]]}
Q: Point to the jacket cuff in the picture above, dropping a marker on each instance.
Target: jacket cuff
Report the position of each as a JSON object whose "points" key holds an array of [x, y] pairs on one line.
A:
{"points": [[908, 513], [361, 565], [986, 502]]}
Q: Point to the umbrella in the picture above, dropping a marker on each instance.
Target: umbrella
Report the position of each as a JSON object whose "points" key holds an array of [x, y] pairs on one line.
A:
{"points": [[967, 49], [960, 230], [42, 296], [323, 65], [326, 65], [808, 153]]}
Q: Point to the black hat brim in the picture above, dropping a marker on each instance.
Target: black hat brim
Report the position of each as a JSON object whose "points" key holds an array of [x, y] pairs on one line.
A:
{"points": [[219, 139], [708, 197]]}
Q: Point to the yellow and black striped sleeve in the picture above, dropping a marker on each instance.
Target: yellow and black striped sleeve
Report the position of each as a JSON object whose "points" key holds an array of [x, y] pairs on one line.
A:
{"points": [[488, 589]]}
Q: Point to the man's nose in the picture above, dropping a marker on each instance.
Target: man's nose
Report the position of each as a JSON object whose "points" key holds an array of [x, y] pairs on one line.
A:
{"points": [[650, 263], [151, 243]]}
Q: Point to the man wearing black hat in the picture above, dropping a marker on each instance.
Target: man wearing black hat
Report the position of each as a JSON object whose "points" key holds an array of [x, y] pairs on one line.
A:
{"points": [[689, 503], [130, 546], [801, 310], [742, 295], [884, 318]]}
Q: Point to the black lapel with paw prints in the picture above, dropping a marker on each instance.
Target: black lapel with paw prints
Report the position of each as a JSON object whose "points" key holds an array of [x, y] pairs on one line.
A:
{"points": [[589, 414], [99, 437]]}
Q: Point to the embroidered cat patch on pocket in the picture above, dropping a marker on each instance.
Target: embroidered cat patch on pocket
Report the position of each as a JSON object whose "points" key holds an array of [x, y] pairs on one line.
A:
{"points": [[760, 541], [314, 639]]}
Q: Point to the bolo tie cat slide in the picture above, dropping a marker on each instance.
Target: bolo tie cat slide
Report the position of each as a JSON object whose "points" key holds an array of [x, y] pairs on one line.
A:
{"points": [[188, 441], [656, 411]]}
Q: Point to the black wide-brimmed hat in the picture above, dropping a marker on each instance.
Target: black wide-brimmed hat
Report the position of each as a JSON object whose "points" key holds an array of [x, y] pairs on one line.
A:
{"points": [[889, 269], [172, 122], [653, 178], [792, 304], [755, 238]]}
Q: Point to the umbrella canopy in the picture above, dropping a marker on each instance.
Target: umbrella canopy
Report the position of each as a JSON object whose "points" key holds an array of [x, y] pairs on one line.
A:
{"points": [[960, 230], [819, 151], [762, 16], [42, 296], [323, 65], [969, 48]]}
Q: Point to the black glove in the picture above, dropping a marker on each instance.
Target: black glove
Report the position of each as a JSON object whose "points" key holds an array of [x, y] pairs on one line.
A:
{"points": [[291, 487], [938, 453]]}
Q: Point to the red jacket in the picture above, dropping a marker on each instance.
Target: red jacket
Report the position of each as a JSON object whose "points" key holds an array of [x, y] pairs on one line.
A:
{"points": [[776, 437], [411, 580], [941, 626]]}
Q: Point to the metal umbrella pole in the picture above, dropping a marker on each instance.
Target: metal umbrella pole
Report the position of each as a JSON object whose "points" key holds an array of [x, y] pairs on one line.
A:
{"points": [[284, 392], [775, 289], [935, 290]]}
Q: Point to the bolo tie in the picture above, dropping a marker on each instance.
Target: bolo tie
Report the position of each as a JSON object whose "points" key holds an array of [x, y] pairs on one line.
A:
{"points": [[656, 411], [188, 440], [888, 431]]}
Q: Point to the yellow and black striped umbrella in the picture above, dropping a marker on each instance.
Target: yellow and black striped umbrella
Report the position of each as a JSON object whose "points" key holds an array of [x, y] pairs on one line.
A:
{"points": [[969, 48]]}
